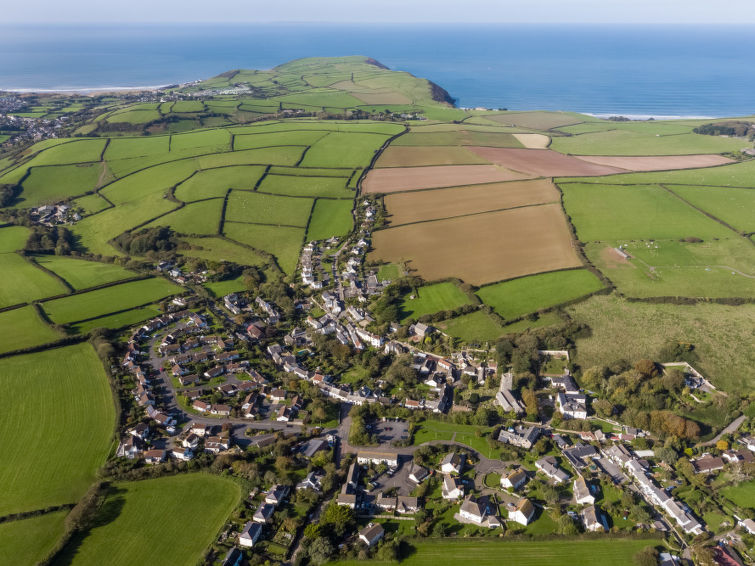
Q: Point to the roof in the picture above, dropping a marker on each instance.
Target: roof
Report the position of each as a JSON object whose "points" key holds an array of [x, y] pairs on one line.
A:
{"points": [[472, 507], [525, 506], [370, 532]]}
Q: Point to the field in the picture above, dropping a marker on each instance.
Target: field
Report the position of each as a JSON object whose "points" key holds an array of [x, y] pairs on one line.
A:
{"points": [[222, 288], [53, 183], [473, 327], [339, 149], [417, 206], [117, 320], [619, 552], [259, 208], [23, 328], [742, 494], [56, 424], [396, 179], [607, 212], [82, 274], [657, 163], [539, 120], [330, 218], [733, 206], [216, 182], [542, 162], [507, 244], [430, 136], [218, 249], [200, 218], [90, 203], [415, 156], [430, 299], [300, 186], [281, 241], [722, 335], [28, 283], [27, 542], [157, 510], [13, 238], [512, 299], [108, 300]]}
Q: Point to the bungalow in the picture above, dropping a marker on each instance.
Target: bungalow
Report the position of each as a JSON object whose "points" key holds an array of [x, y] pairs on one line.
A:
{"points": [[221, 410], [371, 534], [414, 405], [178, 370], [227, 389], [277, 395], [707, 464], [407, 505], [417, 473], [187, 380], [582, 493], [523, 512], [183, 454], [347, 500], [154, 456], [201, 406], [250, 534], [514, 479], [453, 463], [193, 394], [452, 488], [386, 503], [477, 512], [377, 457], [312, 446], [591, 519], [549, 467], [213, 372], [264, 513]]}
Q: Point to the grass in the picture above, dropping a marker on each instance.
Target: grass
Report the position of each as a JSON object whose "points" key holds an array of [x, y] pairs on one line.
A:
{"points": [[216, 182], [218, 249], [339, 149], [287, 155], [564, 552], [268, 139], [90, 203], [200, 218], [622, 142], [217, 140], [283, 242], [28, 542], [389, 271], [222, 288], [722, 335], [23, 328], [733, 206], [123, 148], [742, 494], [56, 425], [118, 320], [82, 274], [474, 327], [135, 116], [604, 212], [55, 183], [416, 156], [462, 136], [518, 297], [157, 179], [430, 299], [268, 209], [156, 510], [330, 218], [547, 319], [13, 238], [28, 283], [430, 430], [294, 185], [108, 300]]}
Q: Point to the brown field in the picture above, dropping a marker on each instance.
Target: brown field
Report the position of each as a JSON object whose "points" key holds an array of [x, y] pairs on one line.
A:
{"points": [[538, 120], [396, 179], [481, 248], [657, 162], [417, 206], [543, 162], [371, 96], [416, 156], [533, 141]]}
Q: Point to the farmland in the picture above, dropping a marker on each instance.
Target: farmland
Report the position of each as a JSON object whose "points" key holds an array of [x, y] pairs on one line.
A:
{"points": [[301, 186], [199, 218], [395, 179], [157, 509], [82, 274], [434, 298], [477, 326], [56, 182], [22, 328], [259, 208], [281, 241], [414, 156], [29, 283], [60, 394], [28, 541], [330, 218], [117, 320]]}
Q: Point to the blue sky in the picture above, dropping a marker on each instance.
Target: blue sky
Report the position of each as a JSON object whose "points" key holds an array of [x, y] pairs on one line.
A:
{"points": [[381, 11]]}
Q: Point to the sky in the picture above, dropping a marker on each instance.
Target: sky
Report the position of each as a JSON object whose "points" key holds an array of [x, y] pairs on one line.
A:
{"points": [[381, 11]]}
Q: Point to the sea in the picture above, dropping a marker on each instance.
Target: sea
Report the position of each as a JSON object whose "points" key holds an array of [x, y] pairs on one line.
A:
{"points": [[630, 70]]}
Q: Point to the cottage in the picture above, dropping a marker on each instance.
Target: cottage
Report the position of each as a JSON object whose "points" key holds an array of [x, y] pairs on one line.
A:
{"points": [[514, 479], [523, 512], [220, 410], [377, 457], [582, 493], [591, 519], [154, 456], [417, 473], [452, 488], [549, 467], [386, 503], [201, 406], [371, 534], [453, 463], [264, 513], [276, 494], [250, 534], [407, 505]]}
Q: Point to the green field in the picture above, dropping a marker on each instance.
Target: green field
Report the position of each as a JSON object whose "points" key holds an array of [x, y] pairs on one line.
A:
{"points": [[605, 212], [330, 218], [90, 203], [733, 206], [23, 328], [118, 320], [27, 542], [430, 299], [218, 249], [742, 494], [157, 510], [216, 182], [343, 150], [269, 139], [211, 140], [82, 274], [512, 299], [284, 156], [259, 208], [222, 288], [13, 238], [55, 183], [134, 116], [561, 552], [281, 241], [56, 426], [477, 326], [200, 218], [108, 300], [295, 185], [461, 136], [123, 148], [28, 282], [722, 335]]}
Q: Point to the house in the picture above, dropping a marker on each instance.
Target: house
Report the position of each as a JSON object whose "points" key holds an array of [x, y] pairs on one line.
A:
{"points": [[311, 481], [220, 410], [130, 448], [352, 476], [183, 454], [347, 500], [264, 513], [591, 519], [417, 473], [522, 512], [582, 493], [452, 488], [748, 525], [200, 430], [250, 534], [748, 442], [191, 441], [276, 494], [233, 557], [514, 479], [386, 503], [580, 455], [707, 464], [549, 467], [413, 405], [520, 436], [154, 456], [406, 504], [377, 457], [213, 372], [277, 395], [371, 534], [453, 463], [216, 444], [572, 406], [478, 512], [140, 431]]}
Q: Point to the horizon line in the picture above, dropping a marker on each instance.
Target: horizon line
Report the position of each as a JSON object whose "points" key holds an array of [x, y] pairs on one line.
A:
{"points": [[373, 23]]}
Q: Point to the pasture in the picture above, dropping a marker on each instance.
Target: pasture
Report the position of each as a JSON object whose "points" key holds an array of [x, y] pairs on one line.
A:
{"points": [[416, 156], [198, 218], [124, 148], [56, 426], [13, 238], [108, 300], [58, 182], [420, 136], [285, 155], [430, 299], [733, 206], [722, 335], [117, 320], [539, 120], [330, 218], [475, 327], [90, 203], [29, 541], [512, 299], [23, 328], [742, 494], [506, 244], [157, 510], [623, 142], [222, 288], [260, 208], [657, 162], [212, 183], [282, 242], [28, 282], [210, 140], [269, 139], [301, 186], [397, 179], [609, 212], [219, 249], [418, 206], [340, 149], [82, 274]]}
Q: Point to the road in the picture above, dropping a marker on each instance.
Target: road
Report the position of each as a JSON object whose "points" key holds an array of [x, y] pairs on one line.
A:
{"points": [[733, 426]]}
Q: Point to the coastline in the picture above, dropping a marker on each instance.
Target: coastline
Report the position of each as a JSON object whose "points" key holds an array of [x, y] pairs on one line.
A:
{"points": [[84, 90]]}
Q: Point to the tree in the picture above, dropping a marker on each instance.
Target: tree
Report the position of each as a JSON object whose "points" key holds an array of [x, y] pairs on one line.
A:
{"points": [[320, 550], [648, 556], [646, 368], [567, 526], [339, 519]]}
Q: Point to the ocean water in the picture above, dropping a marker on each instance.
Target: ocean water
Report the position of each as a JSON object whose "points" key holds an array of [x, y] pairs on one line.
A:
{"points": [[600, 69]]}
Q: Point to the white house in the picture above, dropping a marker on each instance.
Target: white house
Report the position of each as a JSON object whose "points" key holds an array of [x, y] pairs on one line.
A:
{"points": [[523, 512], [514, 479], [371, 534], [452, 488], [250, 534], [582, 493], [453, 463]]}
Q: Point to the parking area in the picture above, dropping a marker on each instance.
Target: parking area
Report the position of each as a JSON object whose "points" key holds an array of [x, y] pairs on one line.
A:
{"points": [[390, 431]]}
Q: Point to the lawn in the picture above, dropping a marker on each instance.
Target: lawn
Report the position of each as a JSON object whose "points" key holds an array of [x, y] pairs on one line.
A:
{"points": [[474, 327], [157, 510], [28, 542], [55, 183], [563, 552], [82, 274], [742, 494], [340, 149], [56, 426], [197, 218], [389, 271], [259, 208], [27, 283], [431, 430], [216, 182], [23, 328], [281, 241], [733, 206], [330, 218], [118, 320], [518, 297], [295, 185], [722, 335], [430, 299], [108, 300], [605, 212]]}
